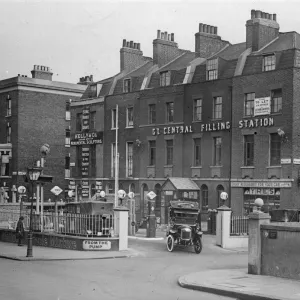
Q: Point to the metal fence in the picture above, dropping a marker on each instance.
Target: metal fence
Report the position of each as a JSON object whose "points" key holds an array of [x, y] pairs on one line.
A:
{"points": [[67, 224], [239, 225]]}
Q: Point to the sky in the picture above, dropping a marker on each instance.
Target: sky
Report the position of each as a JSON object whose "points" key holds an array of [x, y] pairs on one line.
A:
{"points": [[79, 38]]}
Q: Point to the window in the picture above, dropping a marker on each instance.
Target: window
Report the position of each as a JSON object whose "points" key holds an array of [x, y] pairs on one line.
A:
{"points": [[152, 153], [129, 159], [5, 167], [269, 62], [78, 159], [197, 110], [93, 91], [113, 118], [127, 85], [204, 197], [275, 149], [217, 108], [132, 188], [152, 113], [93, 120], [68, 135], [93, 160], [249, 150], [170, 112], [129, 117], [79, 122], [68, 113], [197, 152], [169, 150], [217, 151], [276, 101], [67, 166], [8, 106], [8, 133], [249, 104], [212, 69], [165, 78], [113, 159]]}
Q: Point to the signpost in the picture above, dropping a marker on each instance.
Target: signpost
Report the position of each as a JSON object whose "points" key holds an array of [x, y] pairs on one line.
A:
{"points": [[56, 190]]}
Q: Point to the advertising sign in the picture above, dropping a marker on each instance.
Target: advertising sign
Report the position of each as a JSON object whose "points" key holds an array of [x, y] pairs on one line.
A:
{"points": [[87, 138], [96, 245], [86, 119], [262, 106]]}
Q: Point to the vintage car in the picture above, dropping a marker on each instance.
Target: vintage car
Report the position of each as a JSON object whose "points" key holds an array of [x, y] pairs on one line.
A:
{"points": [[184, 227]]}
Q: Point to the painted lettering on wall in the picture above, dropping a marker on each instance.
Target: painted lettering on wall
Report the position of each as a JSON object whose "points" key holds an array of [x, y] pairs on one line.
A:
{"points": [[215, 126], [251, 123]]}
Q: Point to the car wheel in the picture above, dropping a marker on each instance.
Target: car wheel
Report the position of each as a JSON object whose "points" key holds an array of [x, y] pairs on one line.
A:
{"points": [[198, 245], [170, 243]]}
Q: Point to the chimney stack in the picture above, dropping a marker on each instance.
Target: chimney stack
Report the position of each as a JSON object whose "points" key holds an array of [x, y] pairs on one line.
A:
{"points": [[261, 29], [86, 80], [207, 41], [41, 72]]}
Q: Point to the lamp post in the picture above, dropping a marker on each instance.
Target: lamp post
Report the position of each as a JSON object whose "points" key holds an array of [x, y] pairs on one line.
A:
{"points": [[33, 175]]}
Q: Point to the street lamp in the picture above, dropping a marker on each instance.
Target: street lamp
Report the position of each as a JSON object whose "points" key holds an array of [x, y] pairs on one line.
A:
{"points": [[33, 175]]}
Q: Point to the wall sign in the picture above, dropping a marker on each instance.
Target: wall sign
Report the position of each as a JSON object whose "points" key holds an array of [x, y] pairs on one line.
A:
{"points": [[251, 123], [260, 184], [285, 161], [87, 138], [85, 158], [262, 106], [86, 118], [296, 161], [96, 245]]}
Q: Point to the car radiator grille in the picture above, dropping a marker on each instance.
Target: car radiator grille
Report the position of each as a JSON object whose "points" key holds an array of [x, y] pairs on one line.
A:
{"points": [[185, 235]]}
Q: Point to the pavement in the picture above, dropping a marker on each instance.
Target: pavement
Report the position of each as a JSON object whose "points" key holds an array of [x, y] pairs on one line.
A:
{"points": [[238, 284]]}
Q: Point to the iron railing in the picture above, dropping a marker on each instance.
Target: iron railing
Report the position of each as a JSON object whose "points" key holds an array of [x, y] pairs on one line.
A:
{"points": [[239, 225], [67, 224]]}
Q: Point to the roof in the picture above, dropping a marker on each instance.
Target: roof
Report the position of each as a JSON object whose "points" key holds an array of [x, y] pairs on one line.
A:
{"points": [[285, 41], [231, 52], [140, 71], [183, 184], [180, 62]]}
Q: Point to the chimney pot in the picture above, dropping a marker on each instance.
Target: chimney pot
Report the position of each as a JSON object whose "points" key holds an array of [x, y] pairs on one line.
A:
{"points": [[124, 43], [172, 37], [263, 15], [252, 13], [134, 45], [204, 27], [270, 16], [169, 37], [131, 44], [166, 35], [216, 30], [158, 34], [200, 27], [212, 29], [128, 44], [258, 13], [208, 29], [274, 17], [162, 36], [138, 46]]}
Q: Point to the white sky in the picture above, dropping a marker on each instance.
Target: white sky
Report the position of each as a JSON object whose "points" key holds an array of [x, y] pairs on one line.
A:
{"points": [[78, 38]]}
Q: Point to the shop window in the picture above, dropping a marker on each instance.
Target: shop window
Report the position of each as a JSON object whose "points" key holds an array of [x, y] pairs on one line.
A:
{"points": [[276, 101], [79, 122], [269, 62], [197, 109], [129, 117], [275, 149], [249, 150], [197, 152], [8, 106], [204, 197], [127, 85], [169, 152], [152, 114], [217, 154], [170, 112], [152, 153], [129, 159], [165, 78], [217, 108], [249, 104], [212, 69]]}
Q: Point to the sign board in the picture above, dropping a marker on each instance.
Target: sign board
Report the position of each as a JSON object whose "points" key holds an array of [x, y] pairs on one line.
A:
{"points": [[257, 184], [285, 161], [262, 106], [56, 190], [87, 138], [96, 245], [151, 195], [19, 173], [272, 234], [296, 161], [21, 189]]}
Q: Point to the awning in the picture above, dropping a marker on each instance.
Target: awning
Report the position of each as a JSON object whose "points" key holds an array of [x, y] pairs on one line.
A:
{"points": [[180, 184]]}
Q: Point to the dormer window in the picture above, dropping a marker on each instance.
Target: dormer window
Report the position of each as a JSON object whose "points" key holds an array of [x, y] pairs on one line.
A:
{"points": [[212, 69], [127, 85], [165, 78], [269, 62]]}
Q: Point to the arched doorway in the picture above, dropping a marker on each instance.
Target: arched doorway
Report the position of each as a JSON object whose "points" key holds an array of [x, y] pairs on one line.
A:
{"points": [[144, 192], [157, 191], [220, 189]]}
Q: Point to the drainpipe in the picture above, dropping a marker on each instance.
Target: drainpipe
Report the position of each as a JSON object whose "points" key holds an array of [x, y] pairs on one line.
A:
{"points": [[230, 147]]}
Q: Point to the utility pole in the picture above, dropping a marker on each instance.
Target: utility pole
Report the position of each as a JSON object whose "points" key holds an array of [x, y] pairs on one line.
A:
{"points": [[116, 159]]}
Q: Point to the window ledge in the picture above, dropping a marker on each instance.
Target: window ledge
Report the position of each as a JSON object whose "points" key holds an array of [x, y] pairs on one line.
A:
{"points": [[153, 166], [114, 128], [214, 120], [196, 167], [276, 114], [273, 167], [247, 167], [197, 121], [128, 127], [216, 166], [168, 166], [7, 116], [68, 146]]}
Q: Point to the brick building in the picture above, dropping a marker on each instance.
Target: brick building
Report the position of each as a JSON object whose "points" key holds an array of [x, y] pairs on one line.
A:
{"points": [[32, 113], [224, 117]]}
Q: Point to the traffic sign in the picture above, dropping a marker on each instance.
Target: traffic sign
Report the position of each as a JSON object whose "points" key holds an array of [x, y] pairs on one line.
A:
{"points": [[224, 196], [131, 195], [151, 195], [121, 194], [21, 189], [56, 190]]}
